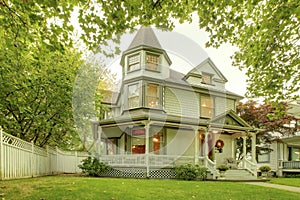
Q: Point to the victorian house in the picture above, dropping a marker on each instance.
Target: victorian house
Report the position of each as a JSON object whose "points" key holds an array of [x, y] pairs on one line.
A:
{"points": [[161, 118]]}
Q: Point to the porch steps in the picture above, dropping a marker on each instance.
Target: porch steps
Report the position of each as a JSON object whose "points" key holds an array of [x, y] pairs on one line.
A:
{"points": [[238, 174]]}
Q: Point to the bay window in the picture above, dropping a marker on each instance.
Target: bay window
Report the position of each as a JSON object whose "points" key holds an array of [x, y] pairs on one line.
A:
{"points": [[152, 96], [134, 62], [133, 96], [152, 62]]}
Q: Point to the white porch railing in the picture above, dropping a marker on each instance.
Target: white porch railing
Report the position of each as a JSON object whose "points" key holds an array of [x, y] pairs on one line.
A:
{"points": [[140, 160], [250, 166], [124, 160], [291, 164]]}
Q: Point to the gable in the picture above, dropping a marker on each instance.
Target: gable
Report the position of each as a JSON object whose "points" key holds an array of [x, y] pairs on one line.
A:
{"points": [[206, 67], [231, 120]]}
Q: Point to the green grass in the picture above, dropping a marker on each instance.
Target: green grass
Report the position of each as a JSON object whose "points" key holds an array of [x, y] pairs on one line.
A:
{"points": [[65, 187], [286, 181]]}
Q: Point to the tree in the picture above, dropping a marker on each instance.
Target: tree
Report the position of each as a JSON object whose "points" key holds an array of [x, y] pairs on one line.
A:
{"points": [[270, 126], [88, 93], [38, 69], [265, 31], [36, 91]]}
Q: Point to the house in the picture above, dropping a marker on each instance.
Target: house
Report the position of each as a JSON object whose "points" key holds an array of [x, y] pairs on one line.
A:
{"points": [[285, 155], [161, 118]]}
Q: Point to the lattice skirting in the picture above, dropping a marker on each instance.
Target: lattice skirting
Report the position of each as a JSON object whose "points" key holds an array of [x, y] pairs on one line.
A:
{"points": [[141, 173]]}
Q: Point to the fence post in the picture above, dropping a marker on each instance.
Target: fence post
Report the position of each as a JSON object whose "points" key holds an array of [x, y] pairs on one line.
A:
{"points": [[32, 159], [1, 155], [76, 161], [57, 160], [48, 167]]}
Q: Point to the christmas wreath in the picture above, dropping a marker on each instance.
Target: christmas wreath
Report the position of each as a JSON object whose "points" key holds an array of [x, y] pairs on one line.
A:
{"points": [[219, 144]]}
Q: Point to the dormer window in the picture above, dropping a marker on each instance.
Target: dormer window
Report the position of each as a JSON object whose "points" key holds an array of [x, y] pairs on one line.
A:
{"points": [[152, 62], [206, 78], [134, 62]]}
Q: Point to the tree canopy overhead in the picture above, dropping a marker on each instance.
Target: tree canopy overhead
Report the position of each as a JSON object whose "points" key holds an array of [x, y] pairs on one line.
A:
{"points": [[265, 31]]}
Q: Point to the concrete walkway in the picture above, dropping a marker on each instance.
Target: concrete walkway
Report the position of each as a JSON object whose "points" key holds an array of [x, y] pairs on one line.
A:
{"points": [[277, 186]]}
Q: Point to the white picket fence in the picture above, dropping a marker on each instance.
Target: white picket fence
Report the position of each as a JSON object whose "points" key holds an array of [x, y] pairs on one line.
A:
{"points": [[21, 159]]}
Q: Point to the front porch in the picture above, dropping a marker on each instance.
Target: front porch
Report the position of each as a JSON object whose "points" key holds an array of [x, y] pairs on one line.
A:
{"points": [[289, 167], [142, 146]]}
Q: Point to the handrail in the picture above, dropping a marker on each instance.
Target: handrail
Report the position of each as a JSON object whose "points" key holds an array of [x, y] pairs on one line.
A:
{"points": [[251, 167], [211, 165]]}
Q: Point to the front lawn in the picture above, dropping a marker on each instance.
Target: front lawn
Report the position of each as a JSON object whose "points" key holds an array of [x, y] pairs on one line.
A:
{"points": [[65, 187], [286, 181]]}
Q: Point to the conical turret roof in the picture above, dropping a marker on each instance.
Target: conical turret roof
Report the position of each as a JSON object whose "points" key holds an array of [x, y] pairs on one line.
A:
{"points": [[145, 37]]}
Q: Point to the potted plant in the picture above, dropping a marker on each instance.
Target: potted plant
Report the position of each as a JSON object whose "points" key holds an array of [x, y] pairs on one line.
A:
{"points": [[222, 169], [264, 170]]}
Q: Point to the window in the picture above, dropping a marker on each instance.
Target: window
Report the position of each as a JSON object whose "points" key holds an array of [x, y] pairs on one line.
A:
{"points": [[133, 96], [134, 62], [158, 143], [138, 145], [264, 154], [152, 96], [152, 62], [206, 78], [207, 107]]}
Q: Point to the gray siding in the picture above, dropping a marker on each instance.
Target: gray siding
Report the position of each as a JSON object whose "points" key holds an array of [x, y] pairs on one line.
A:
{"points": [[220, 105], [181, 102], [230, 104], [180, 142]]}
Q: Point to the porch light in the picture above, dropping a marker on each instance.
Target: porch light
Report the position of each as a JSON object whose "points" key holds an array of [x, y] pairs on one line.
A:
{"points": [[155, 140]]}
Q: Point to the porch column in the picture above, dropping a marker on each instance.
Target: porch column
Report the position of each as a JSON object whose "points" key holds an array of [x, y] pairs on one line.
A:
{"points": [[253, 147], [206, 151], [147, 129], [233, 148], [244, 148], [196, 145], [213, 154], [98, 140]]}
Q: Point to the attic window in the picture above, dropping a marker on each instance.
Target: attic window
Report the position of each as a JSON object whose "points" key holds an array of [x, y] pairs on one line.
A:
{"points": [[152, 62], [134, 62], [206, 78]]}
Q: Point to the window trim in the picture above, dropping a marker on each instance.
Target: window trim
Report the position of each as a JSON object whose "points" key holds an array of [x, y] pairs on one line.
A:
{"points": [[159, 105], [136, 96], [139, 62]]}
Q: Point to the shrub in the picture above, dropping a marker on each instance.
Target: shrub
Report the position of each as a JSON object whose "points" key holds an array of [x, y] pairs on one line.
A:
{"points": [[190, 172], [93, 167], [223, 167], [264, 168]]}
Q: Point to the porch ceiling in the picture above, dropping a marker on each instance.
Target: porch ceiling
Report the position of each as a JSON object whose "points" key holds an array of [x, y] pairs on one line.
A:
{"points": [[294, 141]]}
